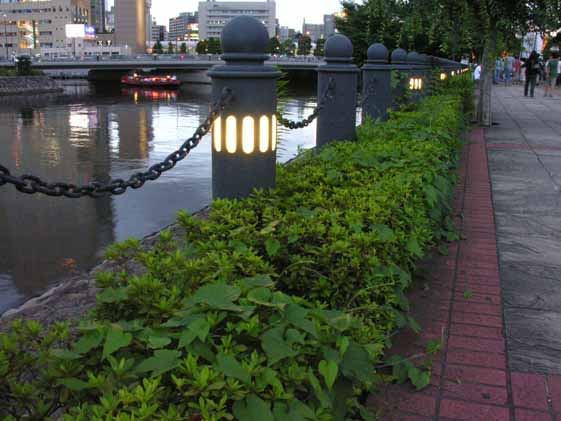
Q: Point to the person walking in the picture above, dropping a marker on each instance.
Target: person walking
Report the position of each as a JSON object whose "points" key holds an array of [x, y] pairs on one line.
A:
{"points": [[517, 72], [498, 69], [532, 66], [551, 72], [509, 68]]}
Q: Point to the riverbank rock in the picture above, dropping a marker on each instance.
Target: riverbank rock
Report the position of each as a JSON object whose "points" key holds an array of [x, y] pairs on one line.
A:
{"points": [[27, 85]]}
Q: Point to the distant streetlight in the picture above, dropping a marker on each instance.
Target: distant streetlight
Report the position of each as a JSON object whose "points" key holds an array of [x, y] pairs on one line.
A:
{"points": [[6, 34]]}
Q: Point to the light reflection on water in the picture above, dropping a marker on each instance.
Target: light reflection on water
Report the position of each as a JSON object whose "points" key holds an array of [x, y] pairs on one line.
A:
{"points": [[88, 134]]}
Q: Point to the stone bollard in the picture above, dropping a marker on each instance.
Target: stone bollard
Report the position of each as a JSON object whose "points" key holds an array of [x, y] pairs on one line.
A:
{"points": [[400, 77], [337, 119], [244, 144], [376, 84]]}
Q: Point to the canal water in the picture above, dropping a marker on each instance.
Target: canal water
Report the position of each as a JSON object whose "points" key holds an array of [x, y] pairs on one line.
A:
{"points": [[98, 133]]}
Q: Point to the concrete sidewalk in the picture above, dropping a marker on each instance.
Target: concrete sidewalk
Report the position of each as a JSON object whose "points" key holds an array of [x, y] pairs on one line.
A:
{"points": [[495, 301]]}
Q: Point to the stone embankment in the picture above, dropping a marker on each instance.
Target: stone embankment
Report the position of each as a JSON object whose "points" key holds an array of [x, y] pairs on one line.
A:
{"points": [[27, 85]]}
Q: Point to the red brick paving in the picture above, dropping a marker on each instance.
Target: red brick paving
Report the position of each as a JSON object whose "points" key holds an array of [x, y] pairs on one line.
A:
{"points": [[462, 305]]}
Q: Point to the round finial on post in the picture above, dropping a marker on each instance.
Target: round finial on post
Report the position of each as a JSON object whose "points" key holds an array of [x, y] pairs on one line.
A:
{"points": [[245, 38], [399, 56], [244, 137], [378, 53], [338, 48], [414, 58]]}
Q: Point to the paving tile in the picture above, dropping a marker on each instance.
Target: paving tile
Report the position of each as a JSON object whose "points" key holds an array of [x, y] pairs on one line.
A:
{"points": [[460, 410], [528, 415], [529, 390]]}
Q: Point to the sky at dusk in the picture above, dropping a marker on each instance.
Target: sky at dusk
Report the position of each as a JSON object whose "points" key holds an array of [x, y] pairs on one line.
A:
{"points": [[289, 12]]}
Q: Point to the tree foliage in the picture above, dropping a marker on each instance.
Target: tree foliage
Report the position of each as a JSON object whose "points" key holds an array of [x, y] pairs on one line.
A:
{"points": [[214, 46], [319, 51], [158, 48], [304, 45], [202, 47], [183, 48], [275, 46]]}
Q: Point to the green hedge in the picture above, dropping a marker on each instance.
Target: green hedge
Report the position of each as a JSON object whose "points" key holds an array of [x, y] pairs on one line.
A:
{"points": [[277, 307]]}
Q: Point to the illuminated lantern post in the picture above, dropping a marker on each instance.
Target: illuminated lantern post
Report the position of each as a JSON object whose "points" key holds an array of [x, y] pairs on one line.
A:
{"points": [[244, 138], [416, 81], [337, 119]]}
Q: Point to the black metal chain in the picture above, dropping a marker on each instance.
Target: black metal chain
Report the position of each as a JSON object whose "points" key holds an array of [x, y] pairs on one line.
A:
{"points": [[31, 184], [328, 94]]}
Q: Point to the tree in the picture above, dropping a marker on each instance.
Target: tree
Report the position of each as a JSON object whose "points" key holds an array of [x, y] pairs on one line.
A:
{"points": [[319, 51], [287, 48], [214, 46], [274, 46], [304, 45], [158, 48], [170, 48], [183, 48], [202, 47]]}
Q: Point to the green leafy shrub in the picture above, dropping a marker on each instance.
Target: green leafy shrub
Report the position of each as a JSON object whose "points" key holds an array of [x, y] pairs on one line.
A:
{"points": [[276, 307]]}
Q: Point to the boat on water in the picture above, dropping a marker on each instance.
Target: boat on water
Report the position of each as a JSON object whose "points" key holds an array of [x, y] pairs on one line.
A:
{"points": [[140, 79]]}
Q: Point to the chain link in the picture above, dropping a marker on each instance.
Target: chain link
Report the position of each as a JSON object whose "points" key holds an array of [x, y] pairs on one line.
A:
{"points": [[31, 184], [328, 94]]}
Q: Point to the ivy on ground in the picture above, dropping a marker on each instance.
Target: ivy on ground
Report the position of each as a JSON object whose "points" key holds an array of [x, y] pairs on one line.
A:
{"points": [[276, 307]]}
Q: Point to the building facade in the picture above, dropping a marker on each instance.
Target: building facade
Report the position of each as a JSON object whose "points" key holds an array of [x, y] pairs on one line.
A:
{"points": [[214, 15], [159, 32], [329, 27], [184, 27], [133, 24], [314, 31], [97, 8], [31, 25]]}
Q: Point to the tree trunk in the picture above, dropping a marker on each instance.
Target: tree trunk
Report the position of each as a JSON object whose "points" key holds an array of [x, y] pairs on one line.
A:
{"points": [[484, 111]]}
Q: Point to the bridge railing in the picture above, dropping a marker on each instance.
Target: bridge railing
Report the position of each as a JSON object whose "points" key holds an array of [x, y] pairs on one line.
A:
{"points": [[244, 119]]}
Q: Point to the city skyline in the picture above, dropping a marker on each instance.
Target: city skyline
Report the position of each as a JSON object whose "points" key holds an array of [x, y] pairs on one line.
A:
{"points": [[290, 13]]}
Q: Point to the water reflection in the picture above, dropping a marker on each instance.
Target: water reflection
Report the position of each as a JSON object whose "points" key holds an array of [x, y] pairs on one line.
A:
{"points": [[95, 133]]}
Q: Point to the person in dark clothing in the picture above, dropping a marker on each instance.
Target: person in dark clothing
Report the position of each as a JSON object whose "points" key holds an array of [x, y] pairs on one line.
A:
{"points": [[532, 66]]}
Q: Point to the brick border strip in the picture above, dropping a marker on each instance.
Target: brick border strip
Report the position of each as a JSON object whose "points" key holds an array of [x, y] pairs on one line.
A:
{"points": [[461, 304]]}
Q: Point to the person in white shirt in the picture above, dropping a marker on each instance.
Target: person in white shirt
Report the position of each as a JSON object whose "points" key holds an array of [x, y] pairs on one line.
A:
{"points": [[477, 72]]}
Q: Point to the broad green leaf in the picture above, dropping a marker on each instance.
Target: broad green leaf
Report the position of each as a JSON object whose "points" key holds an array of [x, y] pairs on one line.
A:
{"points": [[273, 247], [296, 315], [75, 385], [162, 361], [414, 247], [115, 340], [386, 233], [264, 281], [329, 371], [64, 354], [269, 377], [356, 363], [218, 296], [253, 408], [414, 325], [199, 328], [157, 342], [112, 295], [232, 368], [260, 296], [88, 342], [419, 378], [275, 347]]}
